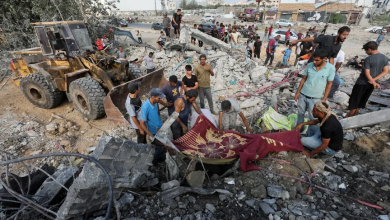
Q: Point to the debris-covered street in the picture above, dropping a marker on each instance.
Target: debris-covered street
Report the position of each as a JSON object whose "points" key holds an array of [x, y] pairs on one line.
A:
{"points": [[102, 117]]}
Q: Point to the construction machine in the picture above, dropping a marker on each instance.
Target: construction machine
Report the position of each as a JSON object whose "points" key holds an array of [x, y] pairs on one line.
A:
{"points": [[67, 64]]}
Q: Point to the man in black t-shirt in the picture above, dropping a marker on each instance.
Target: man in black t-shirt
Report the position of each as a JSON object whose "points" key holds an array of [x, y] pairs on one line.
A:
{"points": [[200, 28], [176, 20], [189, 81], [331, 44], [326, 139], [257, 48]]}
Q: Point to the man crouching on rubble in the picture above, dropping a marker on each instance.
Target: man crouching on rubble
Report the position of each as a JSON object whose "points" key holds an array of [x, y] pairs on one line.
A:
{"points": [[183, 107], [328, 138], [228, 116], [151, 121]]}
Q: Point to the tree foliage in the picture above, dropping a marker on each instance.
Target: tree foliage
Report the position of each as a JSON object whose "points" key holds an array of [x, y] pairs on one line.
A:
{"points": [[17, 15], [335, 18], [381, 20]]}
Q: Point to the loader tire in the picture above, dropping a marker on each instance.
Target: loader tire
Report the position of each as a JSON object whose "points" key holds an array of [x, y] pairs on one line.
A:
{"points": [[87, 96], [135, 71], [38, 91]]}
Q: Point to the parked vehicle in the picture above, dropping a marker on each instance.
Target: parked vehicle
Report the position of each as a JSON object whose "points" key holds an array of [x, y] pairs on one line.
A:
{"points": [[208, 27], [282, 33], [283, 22], [123, 23], [208, 19], [157, 26]]}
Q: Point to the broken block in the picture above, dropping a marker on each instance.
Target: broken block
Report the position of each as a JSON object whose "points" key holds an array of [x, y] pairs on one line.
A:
{"points": [[196, 179]]}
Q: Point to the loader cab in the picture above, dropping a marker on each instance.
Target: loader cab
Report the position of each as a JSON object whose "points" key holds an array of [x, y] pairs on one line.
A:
{"points": [[69, 38]]}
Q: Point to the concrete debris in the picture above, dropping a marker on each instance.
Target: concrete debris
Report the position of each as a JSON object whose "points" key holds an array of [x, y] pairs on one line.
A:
{"points": [[366, 119], [172, 169], [177, 191], [266, 209], [126, 198], [169, 185], [128, 164], [196, 179], [277, 192], [211, 207], [207, 39]]}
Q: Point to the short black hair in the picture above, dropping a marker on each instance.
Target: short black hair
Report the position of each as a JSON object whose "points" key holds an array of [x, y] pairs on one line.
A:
{"points": [[194, 25], [173, 79], [151, 53], [343, 29], [226, 105], [191, 93], [133, 88], [370, 45], [257, 37], [321, 53], [178, 10], [202, 56], [161, 32], [188, 67]]}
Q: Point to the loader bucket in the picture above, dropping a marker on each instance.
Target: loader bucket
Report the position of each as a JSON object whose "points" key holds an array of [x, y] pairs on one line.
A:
{"points": [[114, 102]]}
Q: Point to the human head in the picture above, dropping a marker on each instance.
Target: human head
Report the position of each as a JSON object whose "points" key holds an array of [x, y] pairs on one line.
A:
{"points": [[134, 87], [317, 112], [202, 59], [200, 26], [178, 11], [343, 33], [137, 31], [226, 33], [221, 25], [290, 46], [370, 47], [194, 25], [277, 37], [226, 105], [362, 60], [172, 80], [191, 95], [156, 95], [151, 54], [104, 36], [120, 49], [319, 57], [188, 69], [162, 33], [251, 36], [257, 38], [215, 28], [234, 30], [165, 15]]}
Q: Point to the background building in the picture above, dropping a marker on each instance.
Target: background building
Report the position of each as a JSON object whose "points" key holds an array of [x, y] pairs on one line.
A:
{"points": [[171, 5], [216, 2]]}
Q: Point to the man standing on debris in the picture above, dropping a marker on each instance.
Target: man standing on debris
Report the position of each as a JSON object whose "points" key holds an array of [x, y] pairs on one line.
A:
{"points": [[265, 33], [331, 44], [133, 106], [172, 90], [318, 76], [328, 137], [183, 107], [189, 81], [161, 40], [287, 54], [324, 30], [272, 44], [203, 71], [193, 39], [249, 45], [257, 48], [99, 43], [121, 54], [287, 40], [151, 121], [111, 37], [149, 62], [176, 20], [200, 28], [375, 66], [338, 61], [234, 36], [167, 25], [228, 116]]}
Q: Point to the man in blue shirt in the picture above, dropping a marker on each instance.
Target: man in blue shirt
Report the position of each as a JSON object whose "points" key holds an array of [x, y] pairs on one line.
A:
{"points": [[318, 77], [172, 90], [151, 121], [287, 53]]}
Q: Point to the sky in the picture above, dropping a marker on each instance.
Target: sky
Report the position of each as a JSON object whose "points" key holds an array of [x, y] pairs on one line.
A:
{"points": [[137, 5]]}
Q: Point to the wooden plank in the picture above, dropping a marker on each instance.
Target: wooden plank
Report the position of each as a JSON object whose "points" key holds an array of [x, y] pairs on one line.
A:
{"points": [[372, 98]]}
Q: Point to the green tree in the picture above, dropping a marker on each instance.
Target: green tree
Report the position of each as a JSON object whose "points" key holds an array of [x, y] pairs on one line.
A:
{"points": [[183, 4]]}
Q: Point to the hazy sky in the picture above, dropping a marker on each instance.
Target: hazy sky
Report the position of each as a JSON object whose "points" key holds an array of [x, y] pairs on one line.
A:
{"points": [[136, 5]]}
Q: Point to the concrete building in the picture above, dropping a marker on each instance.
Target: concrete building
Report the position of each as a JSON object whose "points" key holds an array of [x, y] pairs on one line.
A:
{"points": [[171, 5], [318, 10], [216, 2]]}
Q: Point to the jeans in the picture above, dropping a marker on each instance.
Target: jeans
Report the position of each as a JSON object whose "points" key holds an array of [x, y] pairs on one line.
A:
{"points": [[177, 131], [313, 141], [269, 56], [335, 85], [285, 61], [378, 42], [141, 139], [306, 104], [206, 91], [113, 42], [167, 32]]}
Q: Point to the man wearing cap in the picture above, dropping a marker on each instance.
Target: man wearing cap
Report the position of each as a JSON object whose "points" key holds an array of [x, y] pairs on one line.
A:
{"points": [[151, 121], [149, 62], [328, 137], [183, 107], [172, 90], [133, 106]]}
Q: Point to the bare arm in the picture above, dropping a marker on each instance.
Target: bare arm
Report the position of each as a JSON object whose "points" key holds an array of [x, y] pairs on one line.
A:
{"points": [[383, 73], [197, 109], [311, 122], [178, 106], [139, 61], [245, 122], [338, 65], [212, 72], [309, 39], [327, 90], [143, 126], [220, 121], [300, 88], [196, 86], [331, 60]]}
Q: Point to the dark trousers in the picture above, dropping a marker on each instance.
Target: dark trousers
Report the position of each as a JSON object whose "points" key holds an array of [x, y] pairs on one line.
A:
{"points": [[167, 32], [150, 70], [141, 139], [200, 43], [269, 57], [352, 63], [249, 52], [323, 31], [159, 153], [257, 54], [177, 131], [140, 40]]}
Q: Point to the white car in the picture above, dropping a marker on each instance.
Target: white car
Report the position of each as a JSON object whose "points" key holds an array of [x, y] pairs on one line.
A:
{"points": [[376, 29], [282, 33], [283, 22], [208, 19]]}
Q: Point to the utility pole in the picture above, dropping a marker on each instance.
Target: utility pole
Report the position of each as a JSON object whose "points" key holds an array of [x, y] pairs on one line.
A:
{"points": [[155, 6]]}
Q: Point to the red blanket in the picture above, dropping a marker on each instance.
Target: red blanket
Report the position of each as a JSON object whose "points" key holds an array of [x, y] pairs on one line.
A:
{"points": [[206, 141]]}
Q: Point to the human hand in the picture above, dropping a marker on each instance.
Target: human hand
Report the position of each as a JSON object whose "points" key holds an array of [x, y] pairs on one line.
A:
{"points": [[298, 127], [377, 86], [248, 129], [142, 131], [307, 154], [296, 97], [169, 104], [206, 67], [185, 129]]}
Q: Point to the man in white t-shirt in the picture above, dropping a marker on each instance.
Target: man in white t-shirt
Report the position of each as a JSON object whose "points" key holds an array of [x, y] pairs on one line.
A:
{"points": [[234, 36], [338, 61], [149, 62], [230, 109]]}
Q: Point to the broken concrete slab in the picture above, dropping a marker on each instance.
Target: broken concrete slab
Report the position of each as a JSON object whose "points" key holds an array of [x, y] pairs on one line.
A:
{"points": [[277, 192], [366, 119], [169, 185], [207, 39], [372, 98], [196, 179], [253, 101], [174, 192], [127, 163], [316, 165]]}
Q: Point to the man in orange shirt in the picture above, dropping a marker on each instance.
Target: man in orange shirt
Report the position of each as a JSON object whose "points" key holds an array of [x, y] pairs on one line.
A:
{"points": [[99, 43], [303, 59]]}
